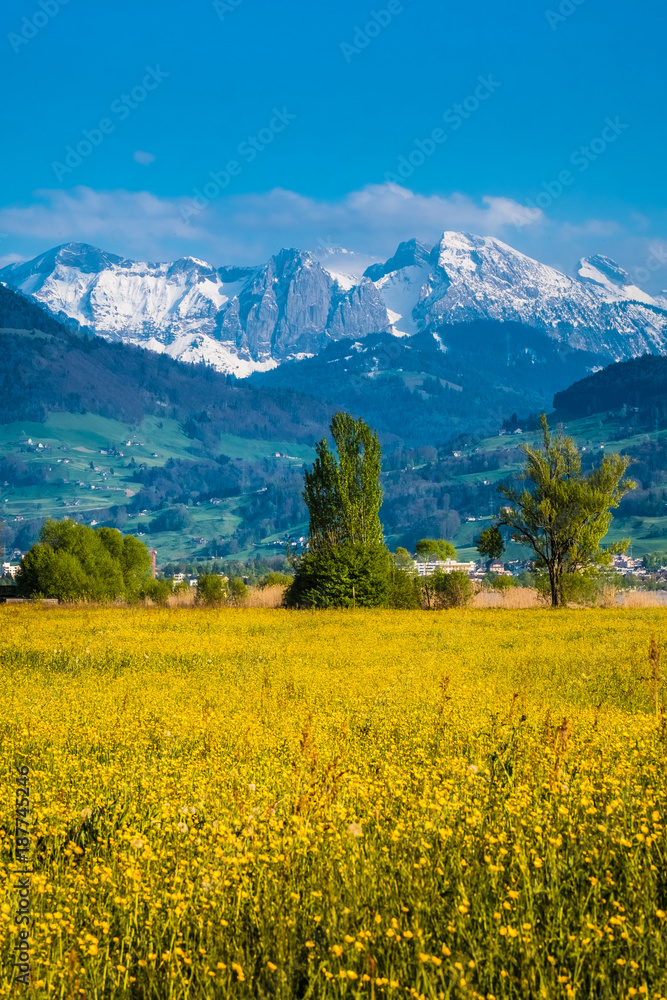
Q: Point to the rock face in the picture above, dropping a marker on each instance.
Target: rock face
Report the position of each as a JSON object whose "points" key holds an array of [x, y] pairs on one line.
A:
{"points": [[245, 319], [292, 307], [466, 278], [237, 319]]}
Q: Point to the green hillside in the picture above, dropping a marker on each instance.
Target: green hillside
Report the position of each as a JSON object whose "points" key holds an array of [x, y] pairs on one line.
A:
{"points": [[58, 455], [201, 466]]}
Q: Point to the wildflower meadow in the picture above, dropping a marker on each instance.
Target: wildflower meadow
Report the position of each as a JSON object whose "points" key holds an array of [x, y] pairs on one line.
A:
{"points": [[260, 803]]}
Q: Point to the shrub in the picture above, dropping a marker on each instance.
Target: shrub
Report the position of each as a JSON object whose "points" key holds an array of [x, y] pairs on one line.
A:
{"points": [[404, 589], [211, 589], [499, 582], [351, 575], [578, 588], [237, 590], [274, 579], [434, 549], [73, 562], [158, 591], [448, 590]]}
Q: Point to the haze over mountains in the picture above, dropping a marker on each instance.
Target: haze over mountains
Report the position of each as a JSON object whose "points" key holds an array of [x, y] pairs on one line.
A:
{"points": [[242, 320]]}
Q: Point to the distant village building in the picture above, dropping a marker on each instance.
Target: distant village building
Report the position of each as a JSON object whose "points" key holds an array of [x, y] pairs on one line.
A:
{"points": [[445, 566], [626, 565]]}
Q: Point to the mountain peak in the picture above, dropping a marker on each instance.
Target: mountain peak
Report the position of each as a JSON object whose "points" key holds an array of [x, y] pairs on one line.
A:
{"points": [[602, 270], [409, 253], [249, 318], [85, 257]]}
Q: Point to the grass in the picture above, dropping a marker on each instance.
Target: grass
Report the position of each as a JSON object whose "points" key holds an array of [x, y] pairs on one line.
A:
{"points": [[262, 803], [77, 439], [72, 441]]}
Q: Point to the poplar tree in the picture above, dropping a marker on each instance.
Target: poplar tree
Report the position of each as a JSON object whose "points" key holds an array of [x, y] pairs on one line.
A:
{"points": [[343, 492], [346, 563]]}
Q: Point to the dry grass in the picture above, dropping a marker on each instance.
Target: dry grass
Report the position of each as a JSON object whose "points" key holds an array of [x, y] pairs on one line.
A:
{"points": [[184, 599], [264, 597], [518, 597], [644, 599]]}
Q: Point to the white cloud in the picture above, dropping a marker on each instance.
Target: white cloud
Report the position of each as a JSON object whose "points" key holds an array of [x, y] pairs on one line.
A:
{"points": [[248, 228], [10, 258], [144, 158]]}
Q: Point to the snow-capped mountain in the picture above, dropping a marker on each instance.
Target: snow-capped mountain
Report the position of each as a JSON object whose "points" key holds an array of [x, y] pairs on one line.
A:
{"points": [[245, 319], [466, 278], [238, 319]]}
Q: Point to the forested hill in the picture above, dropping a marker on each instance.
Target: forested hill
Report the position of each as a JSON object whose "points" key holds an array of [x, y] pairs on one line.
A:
{"points": [[47, 368], [639, 386]]}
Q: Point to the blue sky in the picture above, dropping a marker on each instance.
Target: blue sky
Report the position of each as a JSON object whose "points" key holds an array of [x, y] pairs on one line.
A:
{"points": [[350, 110]]}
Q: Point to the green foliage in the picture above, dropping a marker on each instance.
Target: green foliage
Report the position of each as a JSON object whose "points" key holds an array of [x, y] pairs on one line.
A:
{"points": [[565, 514], [448, 590], [133, 556], [343, 492], [434, 550], [237, 590], [72, 562], [347, 563], [349, 575], [583, 588], [46, 572], [491, 543], [404, 589], [174, 519], [402, 558], [211, 589], [158, 591], [274, 579], [654, 560], [499, 582]]}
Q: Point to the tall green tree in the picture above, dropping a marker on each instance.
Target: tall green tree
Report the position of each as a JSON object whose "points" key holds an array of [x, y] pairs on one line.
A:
{"points": [[561, 513], [434, 550], [343, 492], [347, 563]]}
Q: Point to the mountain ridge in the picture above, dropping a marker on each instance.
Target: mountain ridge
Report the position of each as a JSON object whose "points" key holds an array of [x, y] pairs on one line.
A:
{"points": [[241, 319]]}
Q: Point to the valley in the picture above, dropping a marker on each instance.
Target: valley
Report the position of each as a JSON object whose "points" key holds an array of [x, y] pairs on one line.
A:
{"points": [[437, 348]]}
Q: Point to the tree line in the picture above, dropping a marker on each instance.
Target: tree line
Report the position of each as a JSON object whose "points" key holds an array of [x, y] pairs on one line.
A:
{"points": [[555, 508]]}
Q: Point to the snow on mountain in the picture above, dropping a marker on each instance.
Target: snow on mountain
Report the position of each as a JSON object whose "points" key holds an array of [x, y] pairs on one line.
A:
{"points": [[245, 319], [608, 274], [120, 298], [237, 319], [467, 278], [401, 281], [345, 266]]}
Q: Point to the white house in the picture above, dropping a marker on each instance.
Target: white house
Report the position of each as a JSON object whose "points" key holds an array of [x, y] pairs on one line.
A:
{"points": [[445, 565]]}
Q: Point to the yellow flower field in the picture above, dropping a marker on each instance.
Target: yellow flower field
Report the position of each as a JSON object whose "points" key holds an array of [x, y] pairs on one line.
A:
{"points": [[261, 803]]}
